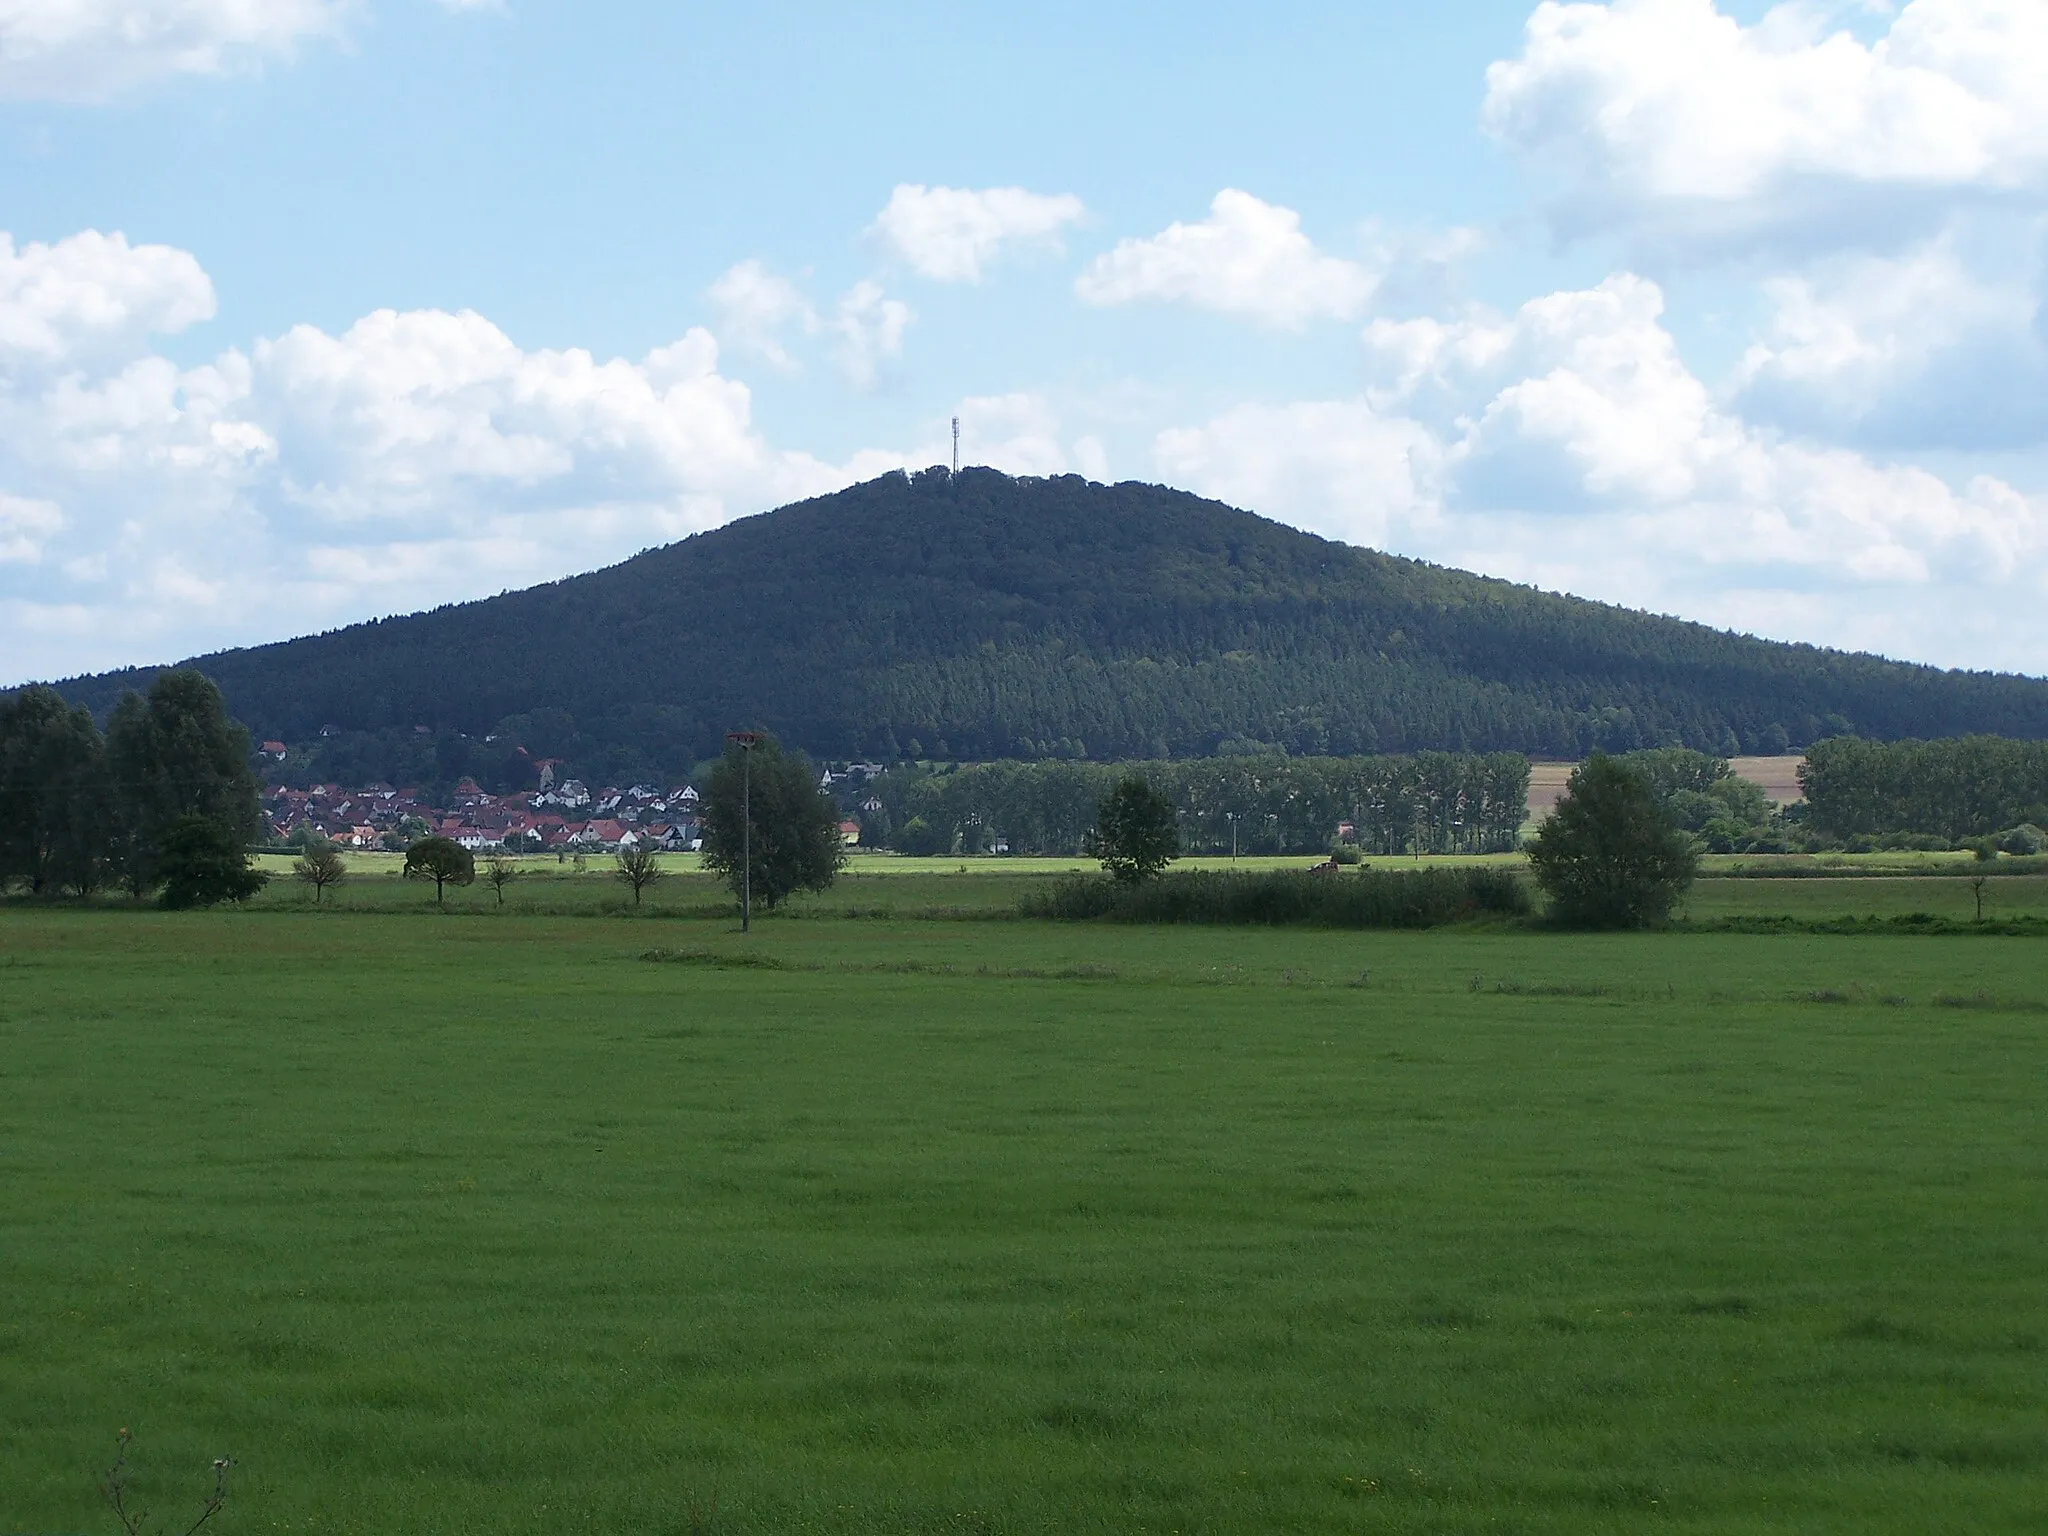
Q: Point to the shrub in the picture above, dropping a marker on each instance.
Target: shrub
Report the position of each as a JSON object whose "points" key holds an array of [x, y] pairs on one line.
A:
{"points": [[1368, 899], [2024, 839]]}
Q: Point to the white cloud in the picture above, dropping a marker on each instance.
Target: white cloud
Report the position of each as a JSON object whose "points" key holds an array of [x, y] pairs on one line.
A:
{"points": [[1940, 347], [867, 327], [89, 50], [91, 293], [1247, 258], [755, 307], [758, 309], [1568, 445], [1668, 114], [1340, 467], [25, 527], [416, 457], [949, 234]]}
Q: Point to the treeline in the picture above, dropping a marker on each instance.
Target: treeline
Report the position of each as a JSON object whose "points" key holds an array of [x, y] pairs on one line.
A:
{"points": [[1962, 788], [82, 811], [979, 617], [1431, 802]]}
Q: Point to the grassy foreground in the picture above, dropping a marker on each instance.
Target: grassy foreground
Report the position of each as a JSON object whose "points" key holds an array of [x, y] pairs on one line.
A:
{"points": [[463, 1225]]}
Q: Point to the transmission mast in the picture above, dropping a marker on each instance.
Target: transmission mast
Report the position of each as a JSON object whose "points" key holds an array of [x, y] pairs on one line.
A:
{"points": [[956, 446]]}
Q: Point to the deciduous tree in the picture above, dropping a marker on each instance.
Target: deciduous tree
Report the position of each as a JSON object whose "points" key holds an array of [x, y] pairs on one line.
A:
{"points": [[201, 863], [1610, 856], [53, 795], [500, 872], [1135, 833], [441, 860], [320, 866], [637, 866], [795, 839], [172, 754]]}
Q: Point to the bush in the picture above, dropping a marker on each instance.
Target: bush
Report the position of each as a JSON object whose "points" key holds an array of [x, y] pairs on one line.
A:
{"points": [[1369, 899], [2024, 839], [920, 839]]}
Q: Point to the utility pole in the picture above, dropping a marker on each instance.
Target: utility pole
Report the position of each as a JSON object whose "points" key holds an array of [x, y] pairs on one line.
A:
{"points": [[956, 447], [746, 741]]}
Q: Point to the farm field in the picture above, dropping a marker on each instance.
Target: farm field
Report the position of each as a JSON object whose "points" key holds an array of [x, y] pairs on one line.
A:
{"points": [[908, 1225]]}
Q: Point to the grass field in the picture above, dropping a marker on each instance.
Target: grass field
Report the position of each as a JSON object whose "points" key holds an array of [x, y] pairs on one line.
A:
{"points": [[900, 1225]]}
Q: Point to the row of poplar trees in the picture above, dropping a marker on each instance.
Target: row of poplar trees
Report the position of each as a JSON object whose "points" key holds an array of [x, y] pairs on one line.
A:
{"points": [[84, 811]]}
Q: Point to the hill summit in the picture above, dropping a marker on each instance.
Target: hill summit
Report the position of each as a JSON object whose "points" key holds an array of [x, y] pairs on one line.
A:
{"points": [[986, 616]]}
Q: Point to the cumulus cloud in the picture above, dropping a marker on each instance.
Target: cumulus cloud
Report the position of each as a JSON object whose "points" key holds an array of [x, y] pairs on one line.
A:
{"points": [[1568, 444], [1247, 258], [756, 307], [1669, 114], [415, 457], [25, 527], [1345, 469], [759, 309], [90, 294], [89, 50], [1941, 347], [950, 234], [867, 328]]}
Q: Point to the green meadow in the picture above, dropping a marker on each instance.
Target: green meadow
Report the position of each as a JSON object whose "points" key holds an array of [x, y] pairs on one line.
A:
{"points": [[905, 1215]]}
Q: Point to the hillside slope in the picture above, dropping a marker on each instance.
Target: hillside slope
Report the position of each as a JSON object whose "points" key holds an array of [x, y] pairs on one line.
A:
{"points": [[984, 616]]}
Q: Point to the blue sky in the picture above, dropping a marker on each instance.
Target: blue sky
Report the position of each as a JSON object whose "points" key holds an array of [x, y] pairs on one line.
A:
{"points": [[312, 311]]}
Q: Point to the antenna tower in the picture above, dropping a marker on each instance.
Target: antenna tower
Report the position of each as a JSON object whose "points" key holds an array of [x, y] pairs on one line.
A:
{"points": [[956, 445]]}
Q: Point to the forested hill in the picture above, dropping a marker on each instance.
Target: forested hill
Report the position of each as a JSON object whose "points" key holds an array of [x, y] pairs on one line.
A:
{"points": [[981, 616]]}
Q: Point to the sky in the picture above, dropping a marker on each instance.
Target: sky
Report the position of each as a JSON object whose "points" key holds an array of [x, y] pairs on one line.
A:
{"points": [[313, 311]]}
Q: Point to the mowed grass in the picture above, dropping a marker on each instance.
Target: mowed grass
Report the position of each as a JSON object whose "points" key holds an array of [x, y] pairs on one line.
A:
{"points": [[466, 1225]]}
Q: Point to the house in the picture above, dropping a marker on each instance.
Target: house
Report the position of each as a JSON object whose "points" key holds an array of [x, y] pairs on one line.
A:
{"points": [[570, 794], [849, 833], [274, 750], [606, 834]]}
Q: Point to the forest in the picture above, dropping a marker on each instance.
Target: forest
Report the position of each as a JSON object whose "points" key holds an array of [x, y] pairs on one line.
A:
{"points": [[982, 617]]}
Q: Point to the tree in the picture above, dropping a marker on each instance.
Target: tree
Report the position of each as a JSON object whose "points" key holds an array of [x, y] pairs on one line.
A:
{"points": [[319, 866], [1610, 856], [637, 867], [500, 872], [53, 795], [173, 754], [795, 838], [200, 863], [1135, 833], [441, 860]]}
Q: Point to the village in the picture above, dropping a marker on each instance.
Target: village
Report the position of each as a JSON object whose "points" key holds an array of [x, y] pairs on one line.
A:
{"points": [[563, 816]]}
